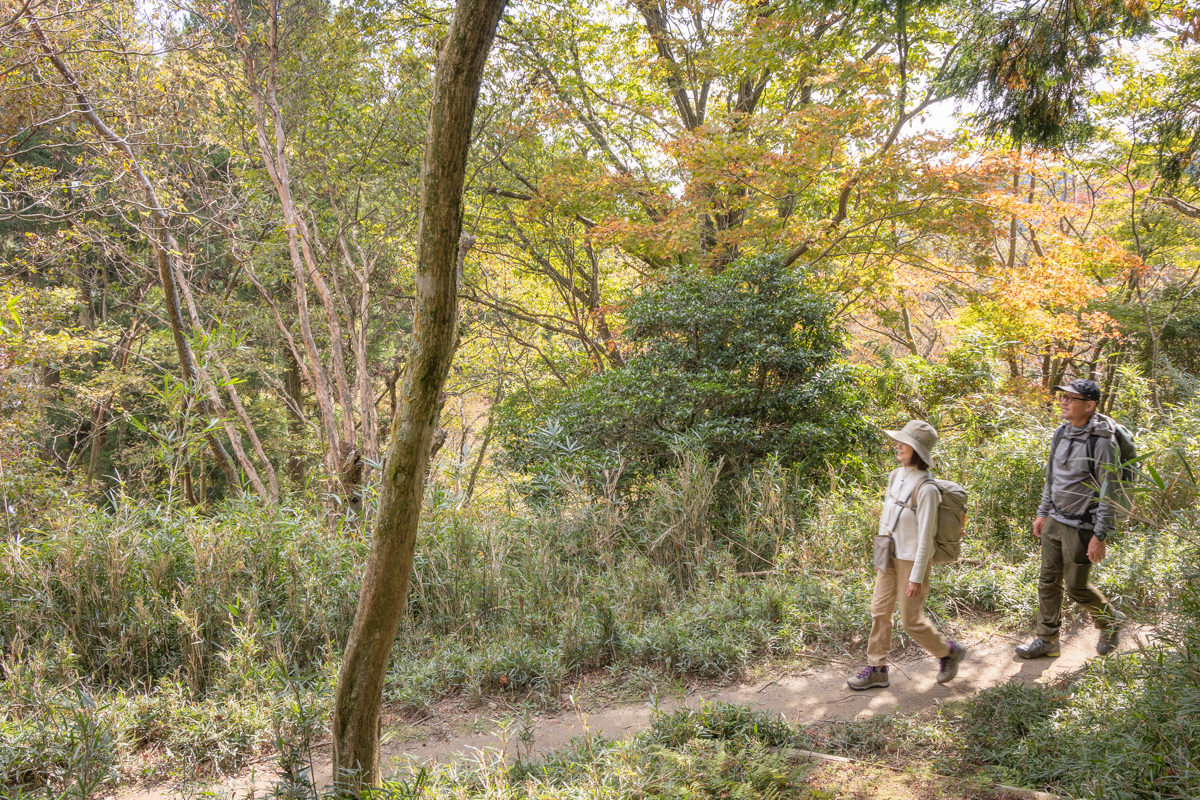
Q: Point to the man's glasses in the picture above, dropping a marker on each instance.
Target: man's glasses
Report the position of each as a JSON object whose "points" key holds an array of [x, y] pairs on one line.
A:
{"points": [[1066, 398]]}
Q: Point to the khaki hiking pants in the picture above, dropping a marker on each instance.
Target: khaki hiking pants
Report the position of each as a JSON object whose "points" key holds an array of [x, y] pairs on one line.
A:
{"points": [[891, 587], [1064, 559]]}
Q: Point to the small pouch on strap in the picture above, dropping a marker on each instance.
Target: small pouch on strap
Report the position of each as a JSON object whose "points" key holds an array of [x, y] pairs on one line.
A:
{"points": [[885, 546]]}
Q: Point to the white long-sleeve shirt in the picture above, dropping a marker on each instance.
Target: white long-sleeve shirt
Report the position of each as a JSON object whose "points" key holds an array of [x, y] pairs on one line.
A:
{"points": [[912, 532]]}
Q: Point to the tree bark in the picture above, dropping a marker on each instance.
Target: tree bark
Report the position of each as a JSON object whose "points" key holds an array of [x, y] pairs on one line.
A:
{"points": [[248, 424], [292, 390], [304, 263], [361, 268], [389, 568], [906, 319], [1187, 209]]}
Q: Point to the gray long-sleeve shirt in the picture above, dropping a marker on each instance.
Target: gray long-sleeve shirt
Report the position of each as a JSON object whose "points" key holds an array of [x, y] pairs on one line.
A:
{"points": [[1070, 486]]}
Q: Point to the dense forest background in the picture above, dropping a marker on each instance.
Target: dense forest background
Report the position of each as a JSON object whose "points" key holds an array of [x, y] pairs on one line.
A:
{"points": [[710, 250]]}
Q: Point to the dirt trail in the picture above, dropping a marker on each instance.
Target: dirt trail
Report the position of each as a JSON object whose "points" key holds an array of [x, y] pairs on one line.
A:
{"points": [[808, 698]]}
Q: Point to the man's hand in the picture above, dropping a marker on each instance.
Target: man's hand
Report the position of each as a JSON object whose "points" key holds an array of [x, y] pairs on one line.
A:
{"points": [[913, 589], [1037, 526], [1096, 550]]}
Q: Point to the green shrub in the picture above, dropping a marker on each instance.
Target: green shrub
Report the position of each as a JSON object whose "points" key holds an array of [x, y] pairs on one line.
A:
{"points": [[1003, 722], [52, 735], [1004, 475], [748, 363]]}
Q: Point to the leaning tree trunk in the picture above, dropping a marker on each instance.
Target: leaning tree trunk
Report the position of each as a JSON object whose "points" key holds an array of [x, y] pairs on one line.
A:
{"points": [[389, 567]]}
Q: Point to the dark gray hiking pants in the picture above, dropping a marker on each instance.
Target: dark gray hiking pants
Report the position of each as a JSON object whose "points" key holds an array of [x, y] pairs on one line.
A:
{"points": [[1065, 560]]}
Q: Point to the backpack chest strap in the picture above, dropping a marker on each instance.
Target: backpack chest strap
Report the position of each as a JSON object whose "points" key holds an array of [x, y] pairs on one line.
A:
{"points": [[909, 502]]}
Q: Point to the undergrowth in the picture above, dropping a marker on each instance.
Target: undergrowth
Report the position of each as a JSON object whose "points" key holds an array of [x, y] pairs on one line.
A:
{"points": [[160, 640], [709, 769], [716, 751]]}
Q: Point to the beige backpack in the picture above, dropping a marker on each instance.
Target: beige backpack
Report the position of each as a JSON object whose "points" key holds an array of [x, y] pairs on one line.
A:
{"points": [[951, 517]]}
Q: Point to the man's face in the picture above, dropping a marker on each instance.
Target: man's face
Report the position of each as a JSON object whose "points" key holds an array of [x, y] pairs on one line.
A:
{"points": [[1075, 408]]}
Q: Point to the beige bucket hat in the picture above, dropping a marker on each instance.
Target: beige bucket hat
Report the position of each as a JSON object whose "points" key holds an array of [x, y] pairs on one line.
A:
{"points": [[918, 435]]}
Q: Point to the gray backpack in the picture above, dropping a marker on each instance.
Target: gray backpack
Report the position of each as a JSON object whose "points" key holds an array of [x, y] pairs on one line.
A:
{"points": [[951, 517]]}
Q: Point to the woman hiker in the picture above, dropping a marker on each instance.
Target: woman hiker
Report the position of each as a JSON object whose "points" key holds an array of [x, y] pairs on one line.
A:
{"points": [[902, 550]]}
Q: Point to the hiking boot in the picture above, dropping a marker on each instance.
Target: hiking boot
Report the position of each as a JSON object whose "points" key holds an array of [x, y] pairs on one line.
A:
{"points": [[1110, 635], [870, 678], [949, 663], [1038, 647]]}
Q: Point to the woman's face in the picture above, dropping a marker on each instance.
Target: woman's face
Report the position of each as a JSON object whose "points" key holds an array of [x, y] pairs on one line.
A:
{"points": [[904, 454]]}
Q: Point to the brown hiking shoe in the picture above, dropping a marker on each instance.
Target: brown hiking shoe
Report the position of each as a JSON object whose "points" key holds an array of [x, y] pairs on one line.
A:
{"points": [[870, 678]]}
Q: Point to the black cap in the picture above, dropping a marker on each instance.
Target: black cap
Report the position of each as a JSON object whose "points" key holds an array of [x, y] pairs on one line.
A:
{"points": [[1082, 387]]}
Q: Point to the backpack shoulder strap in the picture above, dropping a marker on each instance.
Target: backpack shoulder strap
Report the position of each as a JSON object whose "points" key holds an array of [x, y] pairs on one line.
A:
{"points": [[910, 503], [1091, 447], [1054, 440], [1059, 432]]}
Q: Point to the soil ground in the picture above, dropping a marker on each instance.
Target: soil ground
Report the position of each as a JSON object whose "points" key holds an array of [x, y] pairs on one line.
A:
{"points": [[808, 697], [860, 781]]}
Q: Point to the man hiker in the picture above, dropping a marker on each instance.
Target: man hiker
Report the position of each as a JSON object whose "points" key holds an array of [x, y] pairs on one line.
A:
{"points": [[1074, 519]]}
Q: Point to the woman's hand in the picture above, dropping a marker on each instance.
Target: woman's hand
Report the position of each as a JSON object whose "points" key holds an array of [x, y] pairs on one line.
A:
{"points": [[914, 589]]}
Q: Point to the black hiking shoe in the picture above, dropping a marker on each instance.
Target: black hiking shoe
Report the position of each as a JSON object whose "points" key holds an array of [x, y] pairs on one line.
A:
{"points": [[1109, 636], [1039, 647], [870, 678], [948, 667]]}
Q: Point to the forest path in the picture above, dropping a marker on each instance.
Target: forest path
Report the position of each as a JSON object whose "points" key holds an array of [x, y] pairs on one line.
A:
{"points": [[810, 697]]}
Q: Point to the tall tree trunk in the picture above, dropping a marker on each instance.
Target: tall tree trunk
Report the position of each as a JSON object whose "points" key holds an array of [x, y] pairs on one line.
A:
{"points": [[361, 267], [487, 438], [304, 264], [100, 413], [1112, 379], [210, 387], [1012, 224], [366, 388], [234, 398], [292, 391], [99, 429], [389, 567], [906, 319]]}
